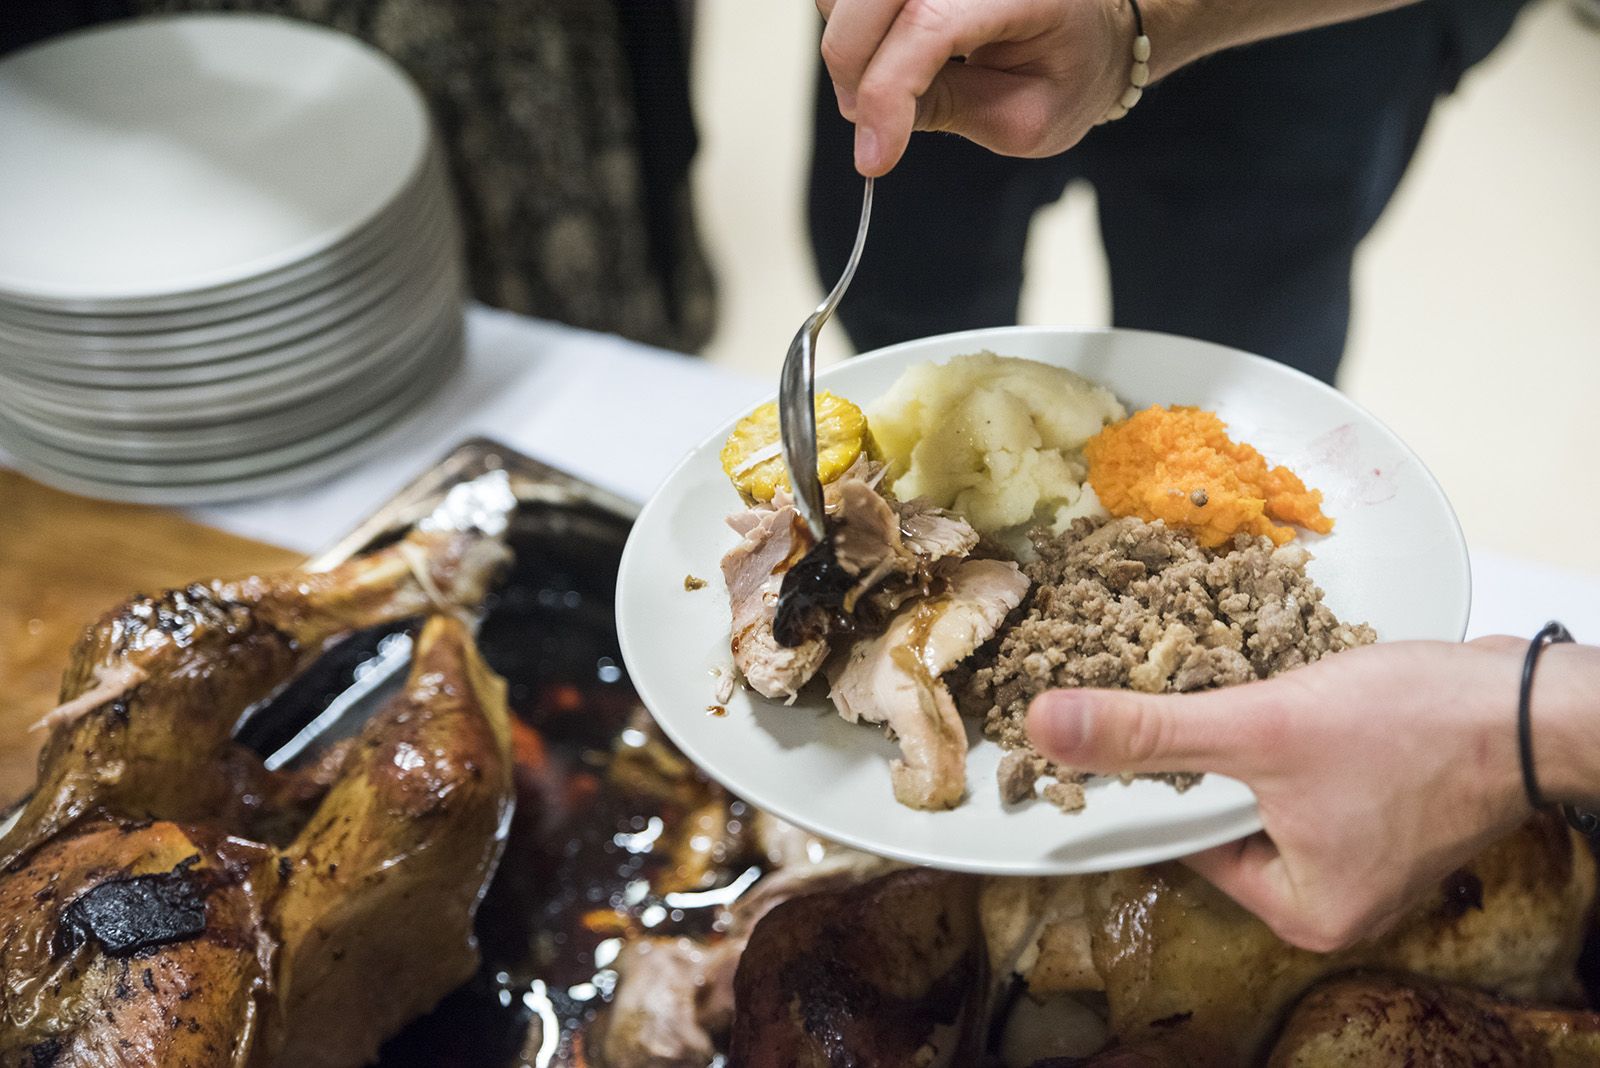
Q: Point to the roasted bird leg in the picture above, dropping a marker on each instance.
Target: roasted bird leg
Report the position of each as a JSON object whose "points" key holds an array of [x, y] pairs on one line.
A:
{"points": [[124, 942], [375, 916], [155, 688]]}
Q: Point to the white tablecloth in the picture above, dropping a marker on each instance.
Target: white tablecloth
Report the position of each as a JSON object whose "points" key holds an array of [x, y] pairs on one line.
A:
{"points": [[621, 415]]}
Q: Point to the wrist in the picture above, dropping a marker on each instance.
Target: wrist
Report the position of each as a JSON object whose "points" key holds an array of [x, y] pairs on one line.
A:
{"points": [[1180, 33], [1566, 723]]}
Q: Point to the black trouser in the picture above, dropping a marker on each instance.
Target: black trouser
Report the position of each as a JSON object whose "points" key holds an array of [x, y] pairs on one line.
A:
{"points": [[1231, 199]]}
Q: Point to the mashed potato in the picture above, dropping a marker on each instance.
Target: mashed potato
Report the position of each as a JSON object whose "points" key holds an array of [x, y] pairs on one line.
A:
{"points": [[996, 438]]}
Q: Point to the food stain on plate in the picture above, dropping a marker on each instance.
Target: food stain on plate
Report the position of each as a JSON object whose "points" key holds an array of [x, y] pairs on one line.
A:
{"points": [[1353, 482]]}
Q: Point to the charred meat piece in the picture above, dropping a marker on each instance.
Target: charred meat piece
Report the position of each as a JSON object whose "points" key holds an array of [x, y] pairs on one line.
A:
{"points": [[1392, 1019], [153, 690], [889, 974], [88, 976], [789, 597], [141, 925], [893, 678], [873, 544], [812, 596]]}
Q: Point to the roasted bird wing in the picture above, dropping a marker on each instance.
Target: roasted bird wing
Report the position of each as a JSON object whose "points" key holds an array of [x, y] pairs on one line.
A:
{"points": [[153, 690], [140, 923]]}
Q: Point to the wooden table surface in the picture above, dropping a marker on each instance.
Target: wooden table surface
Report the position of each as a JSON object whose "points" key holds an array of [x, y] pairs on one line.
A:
{"points": [[64, 561]]}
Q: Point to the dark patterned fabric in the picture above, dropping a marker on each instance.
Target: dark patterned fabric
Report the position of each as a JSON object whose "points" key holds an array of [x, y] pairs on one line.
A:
{"points": [[568, 130]]}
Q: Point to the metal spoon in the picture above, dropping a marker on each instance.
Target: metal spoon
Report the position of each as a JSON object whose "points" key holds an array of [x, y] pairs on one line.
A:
{"points": [[797, 406]]}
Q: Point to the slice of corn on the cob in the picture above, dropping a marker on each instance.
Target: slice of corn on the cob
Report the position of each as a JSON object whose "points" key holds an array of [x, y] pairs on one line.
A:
{"points": [[752, 457]]}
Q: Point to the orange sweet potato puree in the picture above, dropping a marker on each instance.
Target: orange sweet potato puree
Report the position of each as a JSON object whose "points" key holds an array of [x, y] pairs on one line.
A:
{"points": [[1179, 465]]}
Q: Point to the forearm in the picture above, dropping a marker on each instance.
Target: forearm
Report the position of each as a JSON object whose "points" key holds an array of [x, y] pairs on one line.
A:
{"points": [[1566, 723], [1182, 31]]}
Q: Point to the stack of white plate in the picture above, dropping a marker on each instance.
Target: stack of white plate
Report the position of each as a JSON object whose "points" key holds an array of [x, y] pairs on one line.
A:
{"points": [[228, 256]]}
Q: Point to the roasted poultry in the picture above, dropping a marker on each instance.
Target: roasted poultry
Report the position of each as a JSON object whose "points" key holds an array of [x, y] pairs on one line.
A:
{"points": [[1389, 1019], [1173, 956], [1150, 961], [166, 901], [1382, 1019], [889, 974]]}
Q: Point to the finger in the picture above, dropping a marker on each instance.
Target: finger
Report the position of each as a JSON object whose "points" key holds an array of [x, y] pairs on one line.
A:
{"points": [[1251, 872], [1255, 874], [855, 30], [914, 51], [1246, 870], [847, 101], [1011, 114], [1116, 731]]}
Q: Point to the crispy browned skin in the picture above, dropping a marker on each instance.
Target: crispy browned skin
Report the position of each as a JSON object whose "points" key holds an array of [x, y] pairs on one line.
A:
{"points": [[1374, 1021], [189, 1003], [381, 886], [127, 940], [180, 668], [1177, 956], [889, 973]]}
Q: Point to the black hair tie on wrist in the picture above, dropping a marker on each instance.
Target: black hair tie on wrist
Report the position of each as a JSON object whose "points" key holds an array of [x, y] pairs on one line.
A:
{"points": [[1552, 633]]}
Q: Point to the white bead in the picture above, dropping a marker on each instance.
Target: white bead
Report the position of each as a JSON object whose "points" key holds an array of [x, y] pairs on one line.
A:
{"points": [[1140, 75], [1141, 49], [1131, 95], [1116, 112]]}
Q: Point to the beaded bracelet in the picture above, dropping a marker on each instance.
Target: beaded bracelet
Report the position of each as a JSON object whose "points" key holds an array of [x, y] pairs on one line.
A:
{"points": [[1138, 74], [1552, 633]]}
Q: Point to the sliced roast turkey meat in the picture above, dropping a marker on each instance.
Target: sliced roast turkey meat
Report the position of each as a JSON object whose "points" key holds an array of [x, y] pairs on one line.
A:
{"points": [[891, 550], [893, 678], [773, 539]]}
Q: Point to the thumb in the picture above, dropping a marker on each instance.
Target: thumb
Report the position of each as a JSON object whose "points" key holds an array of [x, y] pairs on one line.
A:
{"points": [[1114, 731]]}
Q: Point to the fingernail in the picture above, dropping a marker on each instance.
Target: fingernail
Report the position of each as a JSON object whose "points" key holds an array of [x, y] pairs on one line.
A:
{"points": [[866, 150], [1058, 721], [847, 100]]}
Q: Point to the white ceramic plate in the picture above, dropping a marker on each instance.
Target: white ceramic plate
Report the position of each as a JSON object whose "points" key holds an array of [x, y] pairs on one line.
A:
{"points": [[339, 355], [164, 155], [241, 438], [62, 356], [137, 344], [342, 450], [268, 288], [305, 329], [1396, 559]]}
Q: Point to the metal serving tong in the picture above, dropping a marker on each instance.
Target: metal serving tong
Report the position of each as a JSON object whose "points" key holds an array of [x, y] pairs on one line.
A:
{"points": [[797, 406], [813, 589]]}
